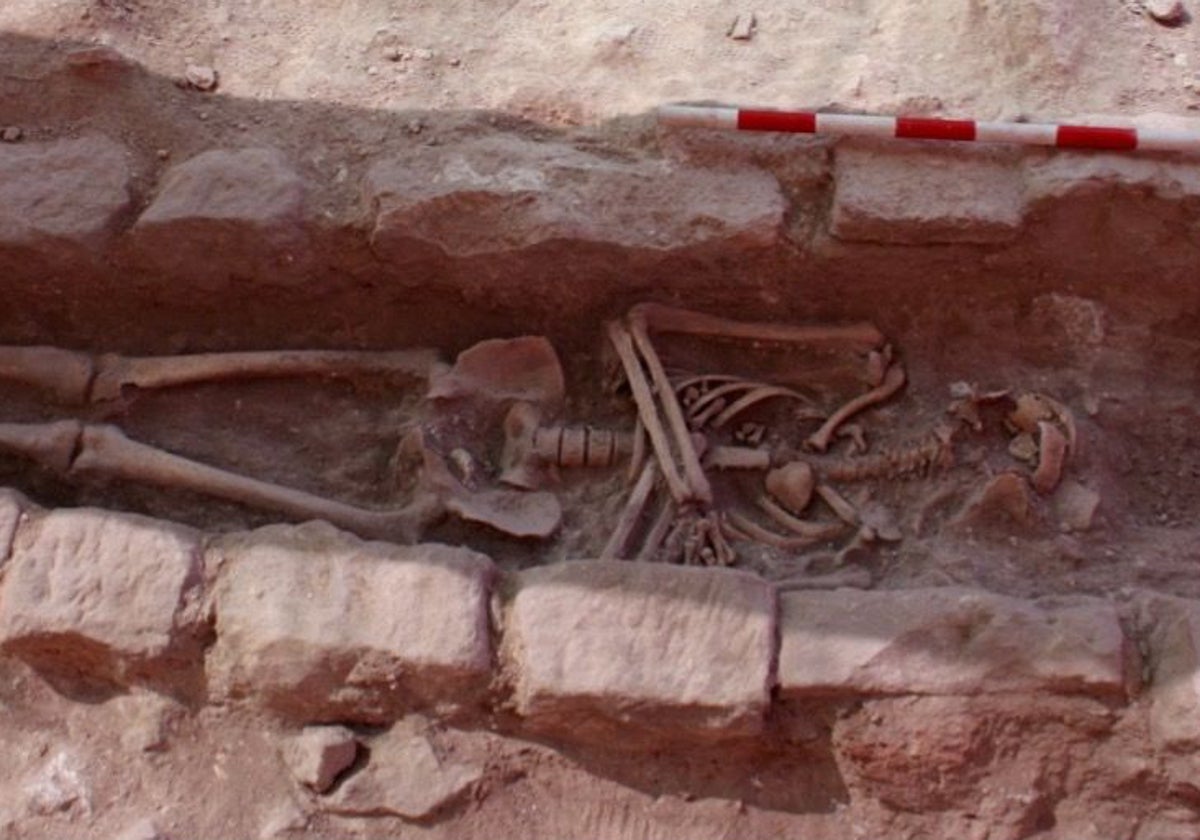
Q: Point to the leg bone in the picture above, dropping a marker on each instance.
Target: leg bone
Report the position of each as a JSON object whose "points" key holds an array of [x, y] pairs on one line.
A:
{"points": [[64, 373], [668, 319]]}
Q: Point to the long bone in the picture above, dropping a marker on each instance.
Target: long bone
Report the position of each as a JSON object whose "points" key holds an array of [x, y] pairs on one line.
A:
{"points": [[79, 378], [668, 319], [893, 381], [701, 490], [647, 411], [632, 512]]}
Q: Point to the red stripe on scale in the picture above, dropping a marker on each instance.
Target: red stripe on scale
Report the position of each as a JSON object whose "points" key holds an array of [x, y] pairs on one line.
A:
{"points": [[797, 122], [1095, 137], [927, 128]]}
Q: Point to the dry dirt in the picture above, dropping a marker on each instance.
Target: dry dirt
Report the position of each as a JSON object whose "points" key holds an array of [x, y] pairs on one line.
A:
{"points": [[334, 84]]}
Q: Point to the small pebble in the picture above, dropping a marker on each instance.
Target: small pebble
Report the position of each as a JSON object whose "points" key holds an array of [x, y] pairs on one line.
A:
{"points": [[454, 62], [394, 54], [743, 26], [424, 54], [11, 134], [1167, 12], [415, 127], [201, 77], [372, 71], [163, 154]]}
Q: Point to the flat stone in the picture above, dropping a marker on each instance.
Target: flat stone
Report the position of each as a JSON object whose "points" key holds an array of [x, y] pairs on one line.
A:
{"points": [[680, 651], [946, 641], [226, 215], [62, 192], [321, 626], [404, 777], [915, 196], [100, 594], [506, 194], [319, 754], [1172, 638]]}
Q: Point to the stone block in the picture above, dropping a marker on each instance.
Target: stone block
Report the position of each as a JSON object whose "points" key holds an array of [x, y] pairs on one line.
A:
{"points": [[506, 194], [595, 645], [946, 641], [102, 595], [226, 215], [71, 192], [1171, 630], [914, 196], [321, 626]]}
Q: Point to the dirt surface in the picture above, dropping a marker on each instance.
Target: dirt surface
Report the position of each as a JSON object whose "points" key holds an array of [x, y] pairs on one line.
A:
{"points": [[338, 84]]}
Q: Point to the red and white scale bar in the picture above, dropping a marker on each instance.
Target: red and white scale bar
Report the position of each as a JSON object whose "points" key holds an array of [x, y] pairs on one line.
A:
{"points": [[1062, 136]]}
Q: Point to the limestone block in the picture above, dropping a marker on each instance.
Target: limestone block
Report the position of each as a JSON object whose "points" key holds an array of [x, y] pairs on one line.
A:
{"points": [[99, 593], [224, 215], [682, 651], [321, 626], [65, 191], [913, 196], [1172, 638], [505, 194], [946, 641]]}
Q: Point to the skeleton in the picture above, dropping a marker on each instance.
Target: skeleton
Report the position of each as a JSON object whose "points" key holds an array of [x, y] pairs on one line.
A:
{"points": [[690, 429]]}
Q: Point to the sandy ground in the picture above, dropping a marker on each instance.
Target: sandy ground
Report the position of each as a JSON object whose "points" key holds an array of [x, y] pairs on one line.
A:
{"points": [[580, 62]]}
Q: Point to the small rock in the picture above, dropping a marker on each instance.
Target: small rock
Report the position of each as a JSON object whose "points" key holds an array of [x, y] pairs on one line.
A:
{"points": [[405, 777], [1167, 12], [1076, 505], [1003, 500], [11, 134], [143, 829], [415, 127], [394, 54], [455, 62], [319, 754], [145, 719], [424, 54], [163, 154], [743, 26], [372, 71], [59, 788], [286, 819], [201, 77]]}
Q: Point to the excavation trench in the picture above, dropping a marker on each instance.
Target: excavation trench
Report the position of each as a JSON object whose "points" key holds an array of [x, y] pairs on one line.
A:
{"points": [[872, 368]]}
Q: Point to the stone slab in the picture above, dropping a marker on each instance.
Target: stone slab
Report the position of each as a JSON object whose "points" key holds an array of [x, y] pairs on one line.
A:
{"points": [[100, 593], [912, 196], [323, 627], [946, 641], [506, 194], [680, 651], [223, 215], [64, 191]]}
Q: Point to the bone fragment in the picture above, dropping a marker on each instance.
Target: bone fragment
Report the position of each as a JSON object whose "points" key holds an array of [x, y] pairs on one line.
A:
{"points": [[518, 463], [630, 514], [64, 373], [117, 372], [815, 531], [1052, 453], [697, 481], [516, 513], [893, 381], [837, 502], [658, 532], [792, 485], [637, 456], [524, 368], [668, 319], [105, 451], [737, 458], [647, 411], [50, 444]]}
